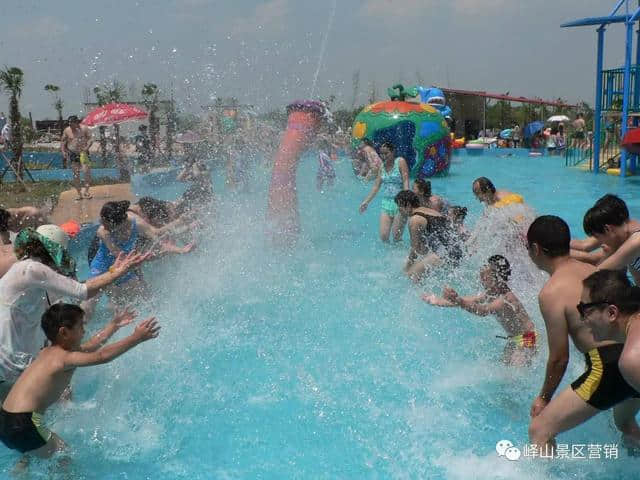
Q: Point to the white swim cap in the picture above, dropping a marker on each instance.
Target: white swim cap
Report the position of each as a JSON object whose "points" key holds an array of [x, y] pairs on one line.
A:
{"points": [[55, 234]]}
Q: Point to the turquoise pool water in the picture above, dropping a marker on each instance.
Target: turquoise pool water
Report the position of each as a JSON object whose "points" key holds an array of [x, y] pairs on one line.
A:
{"points": [[322, 361]]}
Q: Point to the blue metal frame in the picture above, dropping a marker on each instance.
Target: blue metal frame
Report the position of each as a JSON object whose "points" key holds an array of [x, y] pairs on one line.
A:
{"points": [[629, 20]]}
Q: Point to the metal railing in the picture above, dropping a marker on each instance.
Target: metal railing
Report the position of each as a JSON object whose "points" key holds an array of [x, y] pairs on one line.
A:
{"points": [[613, 89]]}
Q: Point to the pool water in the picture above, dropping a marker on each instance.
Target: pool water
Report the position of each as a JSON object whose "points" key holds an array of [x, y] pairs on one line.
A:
{"points": [[322, 361]]}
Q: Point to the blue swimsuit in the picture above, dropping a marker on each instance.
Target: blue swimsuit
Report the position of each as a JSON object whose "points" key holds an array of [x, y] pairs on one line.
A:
{"points": [[105, 259]]}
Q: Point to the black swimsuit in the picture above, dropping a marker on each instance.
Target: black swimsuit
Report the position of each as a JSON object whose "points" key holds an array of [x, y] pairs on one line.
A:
{"points": [[437, 236]]}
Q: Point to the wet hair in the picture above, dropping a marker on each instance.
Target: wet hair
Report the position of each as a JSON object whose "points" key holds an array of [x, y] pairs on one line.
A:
{"points": [[60, 315], [614, 287], [424, 186], [4, 220], [608, 210], [114, 213], [485, 185], [407, 198], [155, 210], [500, 266], [73, 119], [388, 145], [367, 142], [551, 234], [458, 213], [35, 250]]}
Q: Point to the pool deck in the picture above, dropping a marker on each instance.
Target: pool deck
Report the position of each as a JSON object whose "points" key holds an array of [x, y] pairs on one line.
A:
{"points": [[88, 210]]}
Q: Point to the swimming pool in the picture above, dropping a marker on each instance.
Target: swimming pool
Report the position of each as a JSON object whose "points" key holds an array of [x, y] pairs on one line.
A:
{"points": [[322, 362]]}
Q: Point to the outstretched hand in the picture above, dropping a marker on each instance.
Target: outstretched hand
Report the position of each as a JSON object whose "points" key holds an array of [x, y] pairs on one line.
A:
{"points": [[125, 261], [124, 317], [363, 207], [450, 294], [433, 299], [147, 329]]}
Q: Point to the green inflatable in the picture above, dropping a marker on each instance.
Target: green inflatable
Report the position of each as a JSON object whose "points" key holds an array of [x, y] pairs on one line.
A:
{"points": [[418, 131]]}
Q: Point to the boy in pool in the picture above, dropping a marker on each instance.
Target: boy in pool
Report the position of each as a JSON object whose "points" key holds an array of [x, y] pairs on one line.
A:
{"points": [[500, 301], [42, 383]]}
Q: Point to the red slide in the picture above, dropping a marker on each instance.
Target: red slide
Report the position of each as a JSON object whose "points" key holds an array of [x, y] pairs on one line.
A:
{"points": [[282, 212]]}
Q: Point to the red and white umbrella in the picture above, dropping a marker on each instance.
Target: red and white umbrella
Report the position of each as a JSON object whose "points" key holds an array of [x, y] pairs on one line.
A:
{"points": [[113, 113]]}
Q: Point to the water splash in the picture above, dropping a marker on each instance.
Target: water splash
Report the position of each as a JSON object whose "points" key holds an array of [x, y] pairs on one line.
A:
{"points": [[323, 48]]}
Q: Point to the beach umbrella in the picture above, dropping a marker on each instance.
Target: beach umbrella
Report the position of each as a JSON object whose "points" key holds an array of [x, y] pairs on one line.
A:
{"points": [[558, 118], [113, 113], [531, 129], [506, 133], [188, 137]]}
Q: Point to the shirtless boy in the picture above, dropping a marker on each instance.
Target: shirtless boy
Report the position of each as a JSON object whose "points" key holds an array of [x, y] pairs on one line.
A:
{"points": [[600, 387], [42, 383], [500, 301]]}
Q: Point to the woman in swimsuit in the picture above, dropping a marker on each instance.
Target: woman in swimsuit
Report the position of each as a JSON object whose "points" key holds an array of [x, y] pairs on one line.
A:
{"points": [[422, 188], [392, 177], [430, 233], [119, 232]]}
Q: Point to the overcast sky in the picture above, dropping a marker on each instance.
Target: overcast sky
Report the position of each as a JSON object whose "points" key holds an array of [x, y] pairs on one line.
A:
{"points": [[266, 52]]}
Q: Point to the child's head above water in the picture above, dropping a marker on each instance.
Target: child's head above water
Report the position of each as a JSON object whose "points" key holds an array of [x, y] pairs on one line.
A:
{"points": [[496, 273], [63, 324]]}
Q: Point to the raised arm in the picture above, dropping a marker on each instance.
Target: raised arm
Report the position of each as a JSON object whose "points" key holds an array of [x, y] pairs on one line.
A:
{"points": [[552, 310], [146, 330], [118, 321], [623, 256], [585, 244], [156, 235]]}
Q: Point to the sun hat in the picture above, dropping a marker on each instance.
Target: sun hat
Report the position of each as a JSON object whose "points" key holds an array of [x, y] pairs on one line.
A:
{"points": [[55, 234], [54, 241]]}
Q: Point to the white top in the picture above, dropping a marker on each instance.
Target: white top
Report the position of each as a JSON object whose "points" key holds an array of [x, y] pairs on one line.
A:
{"points": [[23, 300]]}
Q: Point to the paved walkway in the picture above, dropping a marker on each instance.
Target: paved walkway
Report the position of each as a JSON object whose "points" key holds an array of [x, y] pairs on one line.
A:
{"points": [[88, 210]]}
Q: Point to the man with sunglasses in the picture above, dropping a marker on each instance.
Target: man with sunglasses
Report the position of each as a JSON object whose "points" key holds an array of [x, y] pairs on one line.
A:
{"points": [[548, 240], [610, 306]]}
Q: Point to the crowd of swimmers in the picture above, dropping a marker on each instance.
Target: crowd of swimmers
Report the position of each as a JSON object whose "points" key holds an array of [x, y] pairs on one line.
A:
{"points": [[38, 274], [587, 298]]}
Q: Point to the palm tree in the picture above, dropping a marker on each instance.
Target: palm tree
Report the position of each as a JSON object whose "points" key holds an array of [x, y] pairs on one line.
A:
{"points": [[150, 100], [12, 81], [58, 104]]}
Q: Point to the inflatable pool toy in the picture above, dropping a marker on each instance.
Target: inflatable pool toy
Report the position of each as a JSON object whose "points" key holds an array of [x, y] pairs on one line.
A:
{"points": [[419, 132], [509, 200], [474, 146], [435, 97], [616, 172], [304, 118], [458, 142]]}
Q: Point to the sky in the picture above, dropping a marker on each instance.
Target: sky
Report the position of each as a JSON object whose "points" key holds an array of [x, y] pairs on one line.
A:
{"points": [[268, 53]]}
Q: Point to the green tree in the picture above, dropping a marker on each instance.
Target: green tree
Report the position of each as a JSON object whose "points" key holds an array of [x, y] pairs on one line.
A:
{"points": [[150, 99], [12, 81]]}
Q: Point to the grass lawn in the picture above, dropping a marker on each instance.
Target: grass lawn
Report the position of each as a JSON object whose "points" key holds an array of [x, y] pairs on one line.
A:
{"points": [[12, 194]]}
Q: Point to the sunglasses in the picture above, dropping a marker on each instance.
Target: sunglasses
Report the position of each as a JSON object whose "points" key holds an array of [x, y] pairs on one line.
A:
{"points": [[583, 307]]}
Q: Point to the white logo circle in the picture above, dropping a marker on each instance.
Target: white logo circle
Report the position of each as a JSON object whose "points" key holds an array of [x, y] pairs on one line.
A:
{"points": [[502, 445], [512, 453]]}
